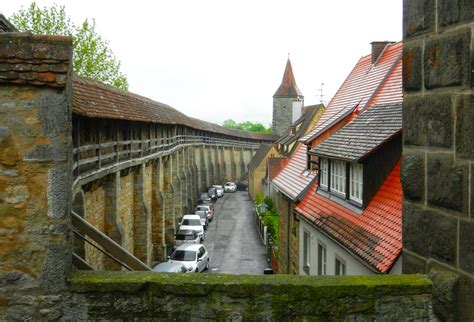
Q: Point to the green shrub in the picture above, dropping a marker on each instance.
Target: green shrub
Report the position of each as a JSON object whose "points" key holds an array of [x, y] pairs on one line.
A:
{"points": [[259, 198]]}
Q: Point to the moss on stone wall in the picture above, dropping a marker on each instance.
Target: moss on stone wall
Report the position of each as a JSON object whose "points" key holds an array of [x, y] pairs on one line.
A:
{"points": [[277, 297]]}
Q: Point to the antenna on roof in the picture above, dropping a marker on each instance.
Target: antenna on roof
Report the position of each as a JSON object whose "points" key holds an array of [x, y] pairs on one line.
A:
{"points": [[321, 93]]}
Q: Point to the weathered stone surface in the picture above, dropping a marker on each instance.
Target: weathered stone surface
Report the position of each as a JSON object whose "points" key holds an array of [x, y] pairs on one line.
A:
{"points": [[412, 264], [464, 126], [447, 60], [455, 11], [275, 298], [59, 186], [466, 246], [412, 67], [447, 183], [418, 237], [411, 175], [445, 297], [428, 120], [418, 18]]}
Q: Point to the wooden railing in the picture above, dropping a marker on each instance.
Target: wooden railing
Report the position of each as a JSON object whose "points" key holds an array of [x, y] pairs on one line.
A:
{"points": [[92, 157]]}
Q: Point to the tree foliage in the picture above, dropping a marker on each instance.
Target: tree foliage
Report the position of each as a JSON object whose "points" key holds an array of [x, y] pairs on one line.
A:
{"points": [[92, 55], [247, 126]]}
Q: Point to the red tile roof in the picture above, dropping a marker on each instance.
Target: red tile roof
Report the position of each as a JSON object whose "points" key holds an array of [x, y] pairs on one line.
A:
{"points": [[93, 99], [288, 86], [294, 178], [375, 235], [360, 88], [275, 165]]}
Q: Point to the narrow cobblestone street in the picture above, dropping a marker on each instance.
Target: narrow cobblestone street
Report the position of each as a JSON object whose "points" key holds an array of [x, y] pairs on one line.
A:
{"points": [[232, 239]]}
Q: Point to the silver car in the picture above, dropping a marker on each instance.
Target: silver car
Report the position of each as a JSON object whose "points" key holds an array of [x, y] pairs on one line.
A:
{"points": [[194, 257], [230, 187], [184, 236], [208, 210], [204, 221], [168, 267]]}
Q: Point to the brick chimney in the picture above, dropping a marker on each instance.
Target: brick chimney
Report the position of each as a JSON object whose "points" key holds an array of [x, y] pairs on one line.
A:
{"points": [[377, 49]]}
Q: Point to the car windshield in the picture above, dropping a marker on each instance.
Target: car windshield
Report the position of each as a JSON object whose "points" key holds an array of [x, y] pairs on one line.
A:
{"points": [[191, 222], [202, 208], [183, 255]]}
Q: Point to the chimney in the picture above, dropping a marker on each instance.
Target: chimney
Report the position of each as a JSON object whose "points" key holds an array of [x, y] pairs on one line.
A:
{"points": [[377, 49]]}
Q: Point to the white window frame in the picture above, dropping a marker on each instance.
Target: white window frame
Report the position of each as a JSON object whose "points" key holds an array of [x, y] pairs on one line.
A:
{"points": [[356, 184], [342, 265], [324, 173], [338, 177], [306, 252], [322, 259]]}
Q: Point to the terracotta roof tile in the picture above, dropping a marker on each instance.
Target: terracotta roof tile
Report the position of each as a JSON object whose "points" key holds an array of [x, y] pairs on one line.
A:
{"points": [[294, 178], [94, 99], [375, 235], [361, 87]]}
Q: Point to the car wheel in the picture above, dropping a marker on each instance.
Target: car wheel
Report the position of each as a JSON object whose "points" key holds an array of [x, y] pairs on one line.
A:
{"points": [[197, 270], [207, 265]]}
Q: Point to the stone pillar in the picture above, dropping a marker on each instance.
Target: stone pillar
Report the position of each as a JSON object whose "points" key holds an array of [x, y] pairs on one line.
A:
{"points": [[111, 225], [242, 164], [141, 212], [438, 151], [225, 178], [217, 168], [169, 194], [35, 170], [233, 166], [158, 212], [210, 167]]}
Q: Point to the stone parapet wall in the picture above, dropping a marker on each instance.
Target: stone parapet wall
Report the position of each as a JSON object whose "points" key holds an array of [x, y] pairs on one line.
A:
{"points": [[241, 297], [438, 150]]}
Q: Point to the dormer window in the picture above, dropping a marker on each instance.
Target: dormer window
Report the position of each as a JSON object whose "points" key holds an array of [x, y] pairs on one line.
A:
{"points": [[323, 179], [338, 176], [342, 180], [356, 183]]}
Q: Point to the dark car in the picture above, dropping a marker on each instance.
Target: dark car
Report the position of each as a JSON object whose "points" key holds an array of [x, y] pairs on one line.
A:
{"points": [[243, 185]]}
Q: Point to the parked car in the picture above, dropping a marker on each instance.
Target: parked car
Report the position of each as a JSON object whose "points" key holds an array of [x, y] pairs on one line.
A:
{"points": [[204, 200], [192, 222], [194, 257], [204, 221], [209, 209], [230, 187], [219, 190], [184, 236], [170, 267], [212, 193], [243, 185]]}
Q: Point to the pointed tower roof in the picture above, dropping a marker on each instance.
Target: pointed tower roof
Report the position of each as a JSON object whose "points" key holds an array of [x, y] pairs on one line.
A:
{"points": [[288, 86]]}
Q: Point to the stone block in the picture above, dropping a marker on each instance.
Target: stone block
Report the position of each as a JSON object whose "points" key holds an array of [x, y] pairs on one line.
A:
{"points": [[418, 18], [428, 120], [447, 183], [465, 126], [445, 287], [447, 60], [412, 264], [416, 230], [455, 11], [429, 233], [443, 231], [412, 176], [466, 246], [412, 67]]}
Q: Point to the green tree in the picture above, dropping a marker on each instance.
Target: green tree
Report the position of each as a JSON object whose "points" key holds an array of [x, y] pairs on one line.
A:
{"points": [[92, 55], [247, 126]]}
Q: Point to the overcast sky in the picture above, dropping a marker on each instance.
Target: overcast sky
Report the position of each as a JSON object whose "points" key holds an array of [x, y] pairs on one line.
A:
{"points": [[222, 59]]}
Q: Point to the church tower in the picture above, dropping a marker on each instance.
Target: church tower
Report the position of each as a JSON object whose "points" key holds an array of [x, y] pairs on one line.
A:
{"points": [[287, 102]]}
